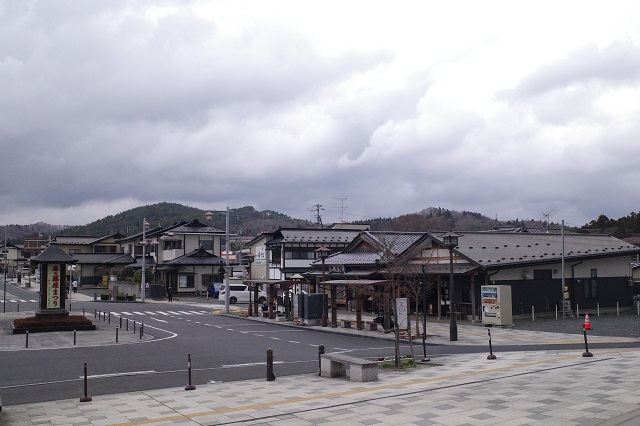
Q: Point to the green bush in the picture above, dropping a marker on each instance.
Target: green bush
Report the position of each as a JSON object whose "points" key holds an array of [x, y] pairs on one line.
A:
{"points": [[104, 297], [121, 297], [33, 322], [131, 297]]}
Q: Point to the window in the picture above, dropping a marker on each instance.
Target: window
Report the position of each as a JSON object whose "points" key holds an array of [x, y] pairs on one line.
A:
{"points": [[590, 285], [186, 281], [542, 274], [298, 254]]}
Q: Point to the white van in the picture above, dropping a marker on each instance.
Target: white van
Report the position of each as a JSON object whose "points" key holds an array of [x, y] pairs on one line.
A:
{"points": [[240, 293]]}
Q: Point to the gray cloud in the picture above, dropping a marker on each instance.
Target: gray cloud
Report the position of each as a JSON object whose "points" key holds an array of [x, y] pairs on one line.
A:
{"points": [[107, 106]]}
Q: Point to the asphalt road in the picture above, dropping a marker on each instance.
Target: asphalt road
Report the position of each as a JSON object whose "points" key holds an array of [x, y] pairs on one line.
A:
{"points": [[222, 349]]}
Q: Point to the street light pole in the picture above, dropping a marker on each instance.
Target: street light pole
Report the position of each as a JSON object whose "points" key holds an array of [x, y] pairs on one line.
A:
{"points": [[6, 260], [424, 313], [450, 240], [323, 252], [143, 284]]}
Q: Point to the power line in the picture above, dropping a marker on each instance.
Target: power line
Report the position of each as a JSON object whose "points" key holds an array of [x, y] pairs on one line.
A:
{"points": [[342, 208], [317, 208]]}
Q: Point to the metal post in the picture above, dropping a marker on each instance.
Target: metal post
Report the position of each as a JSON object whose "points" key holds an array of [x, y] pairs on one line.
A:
{"points": [[586, 353], [491, 355], [83, 313], [85, 397], [134, 326], [533, 313], [26, 343], [270, 376], [618, 308], [120, 322], [190, 386], [453, 325], [320, 353], [127, 322], [144, 259], [19, 307], [117, 328], [424, 314], [141, 330], [598, 305], [227, 293], [109, 317], [74, 337]]}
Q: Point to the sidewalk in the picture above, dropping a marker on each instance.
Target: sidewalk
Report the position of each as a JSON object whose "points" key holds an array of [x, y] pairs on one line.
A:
{"points": [[518, 388]]}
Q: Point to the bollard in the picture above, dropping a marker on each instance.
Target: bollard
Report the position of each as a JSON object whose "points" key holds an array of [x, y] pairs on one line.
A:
{"points": [[491, 355], [638, 306], [577, 311], [127, 324], [74, 337], [83, 313], [586, 353], [117, 334], [69, 307], [95, 313], [320, 353], [533, 313], [598, 305], [190, 386], [109, 317], [26, 337], [618, 308], [85, 397], [556, 311], [270, 376], [95, 296], [134, 326], [120, 322], [141, 329], [18, 307]]}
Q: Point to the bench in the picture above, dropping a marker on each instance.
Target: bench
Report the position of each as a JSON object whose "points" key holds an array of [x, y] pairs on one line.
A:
{"points": [[341, 365], [459, 315], [371, 325], [346, 323]]}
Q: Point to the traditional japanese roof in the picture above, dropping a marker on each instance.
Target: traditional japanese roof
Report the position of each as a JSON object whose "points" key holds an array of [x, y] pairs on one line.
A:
{"points": [[199, 257], [326, 237], [53, 254], [103, 258], [493, 250]]}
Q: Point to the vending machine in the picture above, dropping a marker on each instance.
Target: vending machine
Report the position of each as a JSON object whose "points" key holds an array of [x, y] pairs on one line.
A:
{"points": [[496, 305]]}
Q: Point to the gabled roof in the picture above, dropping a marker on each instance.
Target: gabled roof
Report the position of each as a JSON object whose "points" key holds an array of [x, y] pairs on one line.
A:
{"points": [[497, 249], [104, 258], [196, 227], [84, 239], [318, 236], [369, 247], [53, 254], [199, 257]]}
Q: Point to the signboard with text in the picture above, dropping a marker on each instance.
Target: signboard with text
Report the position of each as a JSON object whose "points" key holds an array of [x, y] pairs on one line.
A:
{"points": [[54, 285], [402, 313]]}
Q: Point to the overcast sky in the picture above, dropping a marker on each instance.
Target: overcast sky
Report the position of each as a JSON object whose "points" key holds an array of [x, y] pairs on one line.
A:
{"points": [[369, 108]]}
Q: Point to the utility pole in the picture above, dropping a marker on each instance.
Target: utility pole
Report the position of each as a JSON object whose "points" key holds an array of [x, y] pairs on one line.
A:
{"points": [[317, 208], [342, 208]]}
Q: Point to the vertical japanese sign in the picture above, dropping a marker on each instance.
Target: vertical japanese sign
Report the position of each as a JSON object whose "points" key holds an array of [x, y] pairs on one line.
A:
{"points": [[53, 285], [402, 313]]}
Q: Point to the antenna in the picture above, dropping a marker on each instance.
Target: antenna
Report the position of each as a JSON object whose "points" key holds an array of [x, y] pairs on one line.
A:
{"points": [[546, 217], [342, 208], [317, 208]]}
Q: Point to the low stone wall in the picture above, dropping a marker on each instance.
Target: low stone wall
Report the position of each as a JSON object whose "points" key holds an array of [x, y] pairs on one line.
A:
{"points": [[121, 287]]}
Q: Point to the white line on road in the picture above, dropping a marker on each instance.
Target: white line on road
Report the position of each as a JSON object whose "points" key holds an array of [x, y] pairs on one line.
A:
{"points": [[159, 320], [128, 373]]}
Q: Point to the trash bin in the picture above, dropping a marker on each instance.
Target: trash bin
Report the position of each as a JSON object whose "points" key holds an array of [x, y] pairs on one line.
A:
{"points": [[156, 291]]}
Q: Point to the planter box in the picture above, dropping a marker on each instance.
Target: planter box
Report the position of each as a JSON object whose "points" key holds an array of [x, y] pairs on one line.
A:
{"points": [[53, 328]]}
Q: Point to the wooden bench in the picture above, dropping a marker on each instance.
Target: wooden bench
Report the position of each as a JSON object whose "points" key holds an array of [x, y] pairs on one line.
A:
{"points": [[341, 365], [346, 323]]}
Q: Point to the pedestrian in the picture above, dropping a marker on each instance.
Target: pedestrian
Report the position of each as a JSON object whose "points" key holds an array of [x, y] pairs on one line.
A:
{"points": [[170, 294], [74, 284]]}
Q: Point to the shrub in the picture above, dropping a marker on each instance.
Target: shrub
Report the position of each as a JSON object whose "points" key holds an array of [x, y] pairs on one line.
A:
{"points": [[104, 297], [33, 322]]}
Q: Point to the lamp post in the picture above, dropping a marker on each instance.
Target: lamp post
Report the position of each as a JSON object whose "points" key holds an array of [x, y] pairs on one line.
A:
{"points": [[323, 252], [249, 257], [227, 294], [424, 313], [143, 284], [450, 240], [6, 257]]}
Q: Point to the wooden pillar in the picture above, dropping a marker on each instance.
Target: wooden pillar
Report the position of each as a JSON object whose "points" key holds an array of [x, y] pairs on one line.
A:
{"points": [[359, 297]]}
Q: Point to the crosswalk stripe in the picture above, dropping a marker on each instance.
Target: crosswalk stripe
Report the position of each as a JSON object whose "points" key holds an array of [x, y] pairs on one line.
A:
{"points": [[138, 313], [150, 313]]}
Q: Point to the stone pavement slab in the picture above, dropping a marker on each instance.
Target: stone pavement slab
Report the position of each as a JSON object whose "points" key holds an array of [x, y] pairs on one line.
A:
{"points": [[523, 388]]}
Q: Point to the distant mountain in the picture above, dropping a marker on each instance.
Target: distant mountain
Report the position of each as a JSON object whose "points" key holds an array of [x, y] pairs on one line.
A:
{"points": [[242, 221], [249, 222]]}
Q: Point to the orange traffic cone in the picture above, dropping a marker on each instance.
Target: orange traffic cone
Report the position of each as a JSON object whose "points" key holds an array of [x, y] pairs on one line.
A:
{"points": [[587, 323]]}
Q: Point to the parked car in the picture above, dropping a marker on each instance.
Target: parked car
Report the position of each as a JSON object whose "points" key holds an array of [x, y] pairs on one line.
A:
{"points": [[240, 294], [214, 290]]}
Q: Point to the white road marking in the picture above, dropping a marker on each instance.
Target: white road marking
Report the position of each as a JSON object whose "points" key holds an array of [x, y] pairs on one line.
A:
{"points": [[159, 320], [128, 373]]}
